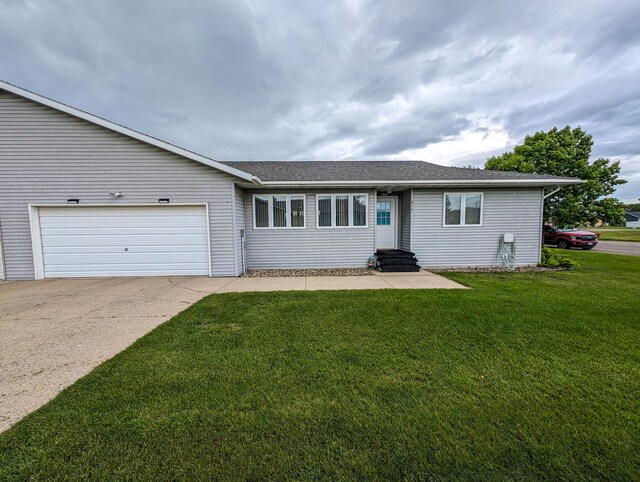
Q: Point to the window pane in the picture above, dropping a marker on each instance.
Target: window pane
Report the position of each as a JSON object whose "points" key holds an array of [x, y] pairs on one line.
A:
{"points": [[279, 211], [452, 209], [262, 211], [360, 210], [324, 210], [297, 212], [473, 204], [342, 210], [383, 213]]}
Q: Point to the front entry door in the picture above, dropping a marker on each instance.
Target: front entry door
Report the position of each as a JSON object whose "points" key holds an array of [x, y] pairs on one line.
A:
{"points": [[386, 229]]}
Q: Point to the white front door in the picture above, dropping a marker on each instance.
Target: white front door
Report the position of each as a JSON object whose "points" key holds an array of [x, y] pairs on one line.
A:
{"points": [[386, 229]]}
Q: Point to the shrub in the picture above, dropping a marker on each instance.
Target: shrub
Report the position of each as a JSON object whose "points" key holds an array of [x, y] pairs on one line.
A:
{"points": [[554, 258]]}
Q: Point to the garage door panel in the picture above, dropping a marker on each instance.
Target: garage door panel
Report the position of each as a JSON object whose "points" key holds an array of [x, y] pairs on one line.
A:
{"points": [[124, 241], [193, 248], [130, 240], [142, 267], [52, 222], [121, 211], [179, 271], [132, 230], [129, 257]]}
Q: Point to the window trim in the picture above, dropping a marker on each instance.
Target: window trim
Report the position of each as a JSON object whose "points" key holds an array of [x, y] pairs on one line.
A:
{"points": [[270, 197], [463, 206], [333, 210]]}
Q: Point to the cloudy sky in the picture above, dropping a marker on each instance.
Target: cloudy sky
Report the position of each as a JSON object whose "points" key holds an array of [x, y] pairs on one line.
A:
{"points": [[451, 82]]}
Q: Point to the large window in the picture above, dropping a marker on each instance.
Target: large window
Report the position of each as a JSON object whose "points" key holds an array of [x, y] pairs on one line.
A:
{"points": [[342, 210], [279, 211], [463, 209]]}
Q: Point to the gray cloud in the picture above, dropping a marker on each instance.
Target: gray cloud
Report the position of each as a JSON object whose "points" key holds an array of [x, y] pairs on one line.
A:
{"points": [[339, 79]]}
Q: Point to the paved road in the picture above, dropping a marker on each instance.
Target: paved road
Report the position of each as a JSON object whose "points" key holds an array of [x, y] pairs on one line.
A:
{"points": [[618, 247]]}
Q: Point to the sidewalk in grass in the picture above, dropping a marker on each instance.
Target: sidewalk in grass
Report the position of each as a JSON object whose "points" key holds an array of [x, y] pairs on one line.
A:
{"points": [[379, 281]]}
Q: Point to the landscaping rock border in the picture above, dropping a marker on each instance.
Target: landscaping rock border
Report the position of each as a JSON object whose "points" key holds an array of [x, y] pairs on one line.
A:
{"points": [[520, 269], [270, 273]]}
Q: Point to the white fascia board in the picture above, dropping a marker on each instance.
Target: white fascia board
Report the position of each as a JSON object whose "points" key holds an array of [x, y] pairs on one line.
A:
{"points": [[450, 182], [127, 132]]}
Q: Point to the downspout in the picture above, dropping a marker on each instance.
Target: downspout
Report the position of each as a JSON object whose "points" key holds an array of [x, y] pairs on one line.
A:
{"points": [[243, 248], [551, 193], [375, 207], [544, 196], [411, 223], [2, 269], [243, 232], [233, 229]]}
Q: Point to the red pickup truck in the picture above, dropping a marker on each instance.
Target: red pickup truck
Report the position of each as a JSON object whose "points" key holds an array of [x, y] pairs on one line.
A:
{"points": [[569, 238]]}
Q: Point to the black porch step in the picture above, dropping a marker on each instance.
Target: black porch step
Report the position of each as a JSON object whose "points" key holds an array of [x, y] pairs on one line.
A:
{"points": [[383, 261], [394, 253], [396, 260], [399, 268]]}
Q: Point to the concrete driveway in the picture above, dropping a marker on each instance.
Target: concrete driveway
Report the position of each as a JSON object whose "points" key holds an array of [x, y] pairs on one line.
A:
{"points": [[618, 247], [53, 332]]}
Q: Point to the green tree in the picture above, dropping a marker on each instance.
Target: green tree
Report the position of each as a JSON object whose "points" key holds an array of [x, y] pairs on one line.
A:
{"points": [[565, 152], [608, 210]]}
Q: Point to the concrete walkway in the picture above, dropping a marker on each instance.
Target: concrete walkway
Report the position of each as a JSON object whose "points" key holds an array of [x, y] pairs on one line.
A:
{"points": [[53, 332], [379, 281]]}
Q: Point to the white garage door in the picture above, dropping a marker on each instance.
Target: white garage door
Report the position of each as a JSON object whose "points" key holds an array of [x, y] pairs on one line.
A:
{"points": [[124, 241]]}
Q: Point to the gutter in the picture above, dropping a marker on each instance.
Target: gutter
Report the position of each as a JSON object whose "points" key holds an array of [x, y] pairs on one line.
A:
{"points": [[474, 182]]}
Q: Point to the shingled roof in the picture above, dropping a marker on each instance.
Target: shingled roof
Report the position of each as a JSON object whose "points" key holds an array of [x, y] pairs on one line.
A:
{"points": [[382, 171]]}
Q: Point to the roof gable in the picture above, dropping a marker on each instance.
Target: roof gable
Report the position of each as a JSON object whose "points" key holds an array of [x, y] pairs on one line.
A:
{"points": [[126, 131]]}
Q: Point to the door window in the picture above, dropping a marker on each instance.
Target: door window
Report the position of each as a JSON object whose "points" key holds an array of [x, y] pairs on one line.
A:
{"points": [[383, 213]]}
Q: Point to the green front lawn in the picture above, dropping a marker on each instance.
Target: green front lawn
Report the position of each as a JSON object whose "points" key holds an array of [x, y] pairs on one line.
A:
{"points": [[620, 235], [616, 233], [525, 376]]}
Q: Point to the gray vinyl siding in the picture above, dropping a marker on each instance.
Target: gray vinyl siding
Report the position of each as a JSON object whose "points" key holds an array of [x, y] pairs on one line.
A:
{"points": [[516, 211], [47, 157], [2, 275], [240, 224], [405, 221], [310, 247]]}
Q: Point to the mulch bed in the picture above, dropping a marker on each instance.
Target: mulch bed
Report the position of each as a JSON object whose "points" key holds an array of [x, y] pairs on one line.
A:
{"points": [[266, 273]]}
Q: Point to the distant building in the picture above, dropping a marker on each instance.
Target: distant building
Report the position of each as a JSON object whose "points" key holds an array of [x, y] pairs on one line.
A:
{"points": [[633, 219]]}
